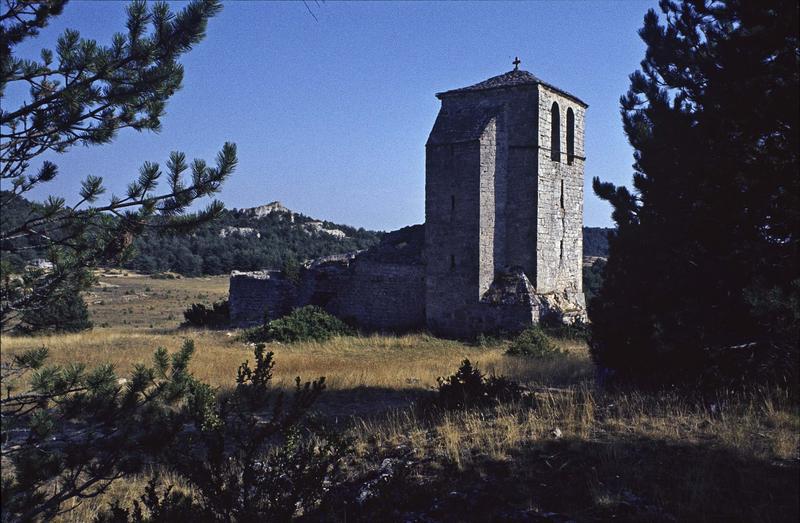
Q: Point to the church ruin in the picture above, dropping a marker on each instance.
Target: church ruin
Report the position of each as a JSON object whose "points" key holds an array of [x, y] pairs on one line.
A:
{"points": [[501, 247]]}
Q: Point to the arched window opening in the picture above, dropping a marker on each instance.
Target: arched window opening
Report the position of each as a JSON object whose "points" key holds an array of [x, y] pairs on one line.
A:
{"points": [[555, 133], [570, 136]]}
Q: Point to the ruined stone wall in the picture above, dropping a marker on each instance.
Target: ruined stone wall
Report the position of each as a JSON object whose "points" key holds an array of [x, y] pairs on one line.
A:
{"points": [[383, 296], [379, 289], [252, 294], [559, 241], [323, 280]]}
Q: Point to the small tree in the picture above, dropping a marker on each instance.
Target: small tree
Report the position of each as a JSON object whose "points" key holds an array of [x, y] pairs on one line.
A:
{"points": [[74, 431], [250, 455], [83, 94], [469, 387], [533, 342], [253, 459], [291, 269], [69, 314], [216, 316]]}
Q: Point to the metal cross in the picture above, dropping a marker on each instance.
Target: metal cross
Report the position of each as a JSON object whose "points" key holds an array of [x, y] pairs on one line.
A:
{"points": [[516, 63]]}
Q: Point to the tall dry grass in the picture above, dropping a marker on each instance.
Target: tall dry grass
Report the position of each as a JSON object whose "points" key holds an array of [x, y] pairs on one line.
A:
{"points": [[726, 458], [364, 374]]}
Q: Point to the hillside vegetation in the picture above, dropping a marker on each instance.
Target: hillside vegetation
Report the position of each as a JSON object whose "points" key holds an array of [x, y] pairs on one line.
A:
{"points": [[269, 236]]}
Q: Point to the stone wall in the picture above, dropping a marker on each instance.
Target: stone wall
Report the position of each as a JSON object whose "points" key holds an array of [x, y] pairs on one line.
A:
{"points": [[380, 289], [383, 296], [559, 239], [251, 295], [452, 208]]}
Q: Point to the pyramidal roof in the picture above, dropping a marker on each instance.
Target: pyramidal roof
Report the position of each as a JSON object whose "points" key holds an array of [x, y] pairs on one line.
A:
{"points": [[510, 79]]}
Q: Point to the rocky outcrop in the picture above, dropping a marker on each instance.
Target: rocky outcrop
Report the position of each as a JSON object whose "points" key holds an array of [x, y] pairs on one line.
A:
{"points": [[319, 228], [265, 210], [238, 231]]}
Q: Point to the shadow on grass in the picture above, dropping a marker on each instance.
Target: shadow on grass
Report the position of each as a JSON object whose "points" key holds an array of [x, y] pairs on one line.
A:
{"points": [[576, 480], [365, 402]]}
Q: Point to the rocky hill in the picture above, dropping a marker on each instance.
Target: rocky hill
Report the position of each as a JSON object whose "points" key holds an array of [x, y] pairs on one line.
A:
{"points": [[266, 236]]}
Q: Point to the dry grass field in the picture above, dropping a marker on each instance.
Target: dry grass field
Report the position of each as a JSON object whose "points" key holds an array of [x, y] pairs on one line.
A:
{"points": [[125, 299], [578, 451]]}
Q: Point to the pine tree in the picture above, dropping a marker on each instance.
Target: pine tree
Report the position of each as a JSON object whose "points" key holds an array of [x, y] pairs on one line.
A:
{"points": [[83, 94], [705, 257], [68, 314]]}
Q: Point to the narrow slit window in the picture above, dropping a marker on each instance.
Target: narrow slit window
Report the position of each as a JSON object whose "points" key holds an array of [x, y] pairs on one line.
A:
{"points": [[562, 194], [570, 136], [562, 250], [452, 203], [452, 261], [555, 133]]}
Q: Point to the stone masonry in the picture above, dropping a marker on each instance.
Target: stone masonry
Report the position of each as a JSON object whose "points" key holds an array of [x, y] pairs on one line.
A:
{"points": [[501, 247]]}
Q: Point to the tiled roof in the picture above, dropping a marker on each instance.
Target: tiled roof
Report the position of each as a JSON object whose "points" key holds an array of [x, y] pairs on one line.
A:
{"points": [[510, 79]]}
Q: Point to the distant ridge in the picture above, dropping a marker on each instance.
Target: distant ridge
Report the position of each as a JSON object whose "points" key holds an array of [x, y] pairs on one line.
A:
{"points": [[262, 237]]}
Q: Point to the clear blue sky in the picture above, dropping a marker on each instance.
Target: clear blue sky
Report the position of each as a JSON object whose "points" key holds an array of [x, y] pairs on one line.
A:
{"points": [[331, 115]]}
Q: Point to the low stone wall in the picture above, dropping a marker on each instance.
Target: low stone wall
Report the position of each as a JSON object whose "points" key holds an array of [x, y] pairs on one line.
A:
{"points": [[383, 296], [384, 289], [251, 295], [370, 294]]}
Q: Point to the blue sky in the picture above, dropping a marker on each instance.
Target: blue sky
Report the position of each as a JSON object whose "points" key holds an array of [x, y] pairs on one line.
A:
{"points": [[331, 115]]}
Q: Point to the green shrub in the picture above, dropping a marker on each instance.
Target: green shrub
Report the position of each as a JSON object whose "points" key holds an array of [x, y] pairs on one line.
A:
{"points": [[487, 341], [468, 387], [533, 342], [165, 276], [251, 456], [198, 315], [67, 314], [306, 323], [291, 269], [579, 330]]}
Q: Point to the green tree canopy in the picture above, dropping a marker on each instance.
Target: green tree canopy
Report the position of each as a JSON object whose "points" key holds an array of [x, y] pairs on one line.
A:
{"points": [[705, 258], [83, 93]]}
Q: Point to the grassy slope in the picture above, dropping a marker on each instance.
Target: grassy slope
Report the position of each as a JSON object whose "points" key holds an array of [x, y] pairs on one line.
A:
{"points": [[627, 456]]}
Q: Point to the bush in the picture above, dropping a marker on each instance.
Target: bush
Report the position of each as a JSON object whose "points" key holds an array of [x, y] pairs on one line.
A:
{"points": [[579, 330], [468, 387], [67, 314], [165, 276], [248, 454], [306, 323], [593, 279], [533, 342], [73, 430], [252, 456], [198, 315]]}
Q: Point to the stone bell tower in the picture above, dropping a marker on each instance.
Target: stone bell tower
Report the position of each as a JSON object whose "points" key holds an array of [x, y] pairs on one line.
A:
{"points": [[504, 206]]}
